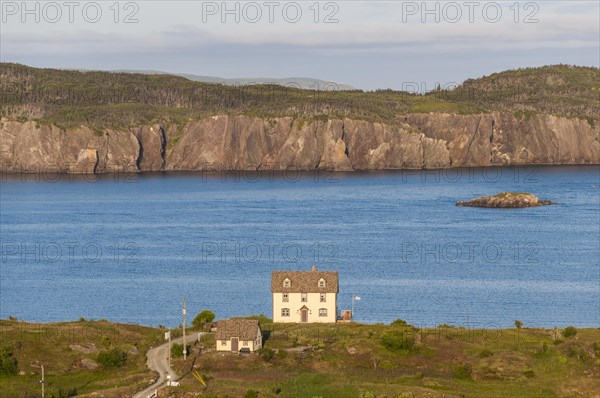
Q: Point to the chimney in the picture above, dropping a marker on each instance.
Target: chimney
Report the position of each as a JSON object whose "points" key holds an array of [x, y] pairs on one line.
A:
{"points": [[314, 268]]}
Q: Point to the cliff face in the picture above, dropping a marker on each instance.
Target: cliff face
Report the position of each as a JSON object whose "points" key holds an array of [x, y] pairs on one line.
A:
{"points": [[247, 143], [502, 139], [28, 147]]}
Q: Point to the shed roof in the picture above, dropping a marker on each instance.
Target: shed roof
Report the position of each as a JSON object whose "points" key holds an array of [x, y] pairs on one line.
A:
{"points": [[244, 329]]}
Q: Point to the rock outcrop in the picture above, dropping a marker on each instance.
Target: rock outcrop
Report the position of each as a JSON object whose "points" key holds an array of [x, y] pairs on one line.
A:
{"points": [[152, 145], [249, 143], [507, 200]]}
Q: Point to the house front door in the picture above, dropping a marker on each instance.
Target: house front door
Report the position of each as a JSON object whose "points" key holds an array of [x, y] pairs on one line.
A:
{"points": [[304, 315], [234, 344]]}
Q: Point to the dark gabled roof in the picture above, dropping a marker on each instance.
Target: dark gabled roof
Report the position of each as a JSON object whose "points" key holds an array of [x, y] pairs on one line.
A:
{"points": [[244, 329], [304, 281]]}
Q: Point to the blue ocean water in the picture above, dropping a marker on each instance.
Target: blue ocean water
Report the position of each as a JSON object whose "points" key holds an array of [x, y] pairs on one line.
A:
{"points": [[129, 248]]}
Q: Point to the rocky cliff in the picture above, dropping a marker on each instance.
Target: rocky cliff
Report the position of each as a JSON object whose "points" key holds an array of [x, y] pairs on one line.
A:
{"points": [[248, 143]]}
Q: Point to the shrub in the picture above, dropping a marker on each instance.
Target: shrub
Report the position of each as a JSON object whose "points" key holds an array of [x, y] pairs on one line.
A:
{"points": [[8, 363], [177, 350], [590, 121], [404, 324], [65, 393], [266, 354], [400, 322], [596, 348], [387, 365], [569, 331], [251, 394], [203, 317], [518, 324], [463, 372], [395, 340], [485, 353], [112, 358], [529, 373], [562, 360], [282, 354], [579, 352]]}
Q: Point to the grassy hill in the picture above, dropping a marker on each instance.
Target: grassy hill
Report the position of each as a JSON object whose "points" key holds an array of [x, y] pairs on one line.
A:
{"points": [[70, 354], [310, 360], [401, 361], [105, 99]]}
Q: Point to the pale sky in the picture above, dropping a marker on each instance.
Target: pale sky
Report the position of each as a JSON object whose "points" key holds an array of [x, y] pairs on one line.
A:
{"points": [[368, 44]]}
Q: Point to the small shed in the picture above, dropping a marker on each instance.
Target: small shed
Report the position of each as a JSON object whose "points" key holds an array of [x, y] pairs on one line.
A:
{"points": [[237, 335]]}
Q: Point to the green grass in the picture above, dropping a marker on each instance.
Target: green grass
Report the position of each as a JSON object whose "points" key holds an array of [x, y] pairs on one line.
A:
{"points": [[49, 345], [330, 360], [347, 360]]}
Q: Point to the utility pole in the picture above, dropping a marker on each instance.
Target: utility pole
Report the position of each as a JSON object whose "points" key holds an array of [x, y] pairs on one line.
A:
{"points": [[169, 349], [184, 345], [43, 383]]}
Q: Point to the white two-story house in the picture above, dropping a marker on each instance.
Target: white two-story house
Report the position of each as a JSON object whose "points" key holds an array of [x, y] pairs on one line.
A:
{"points": [[304, 296]]}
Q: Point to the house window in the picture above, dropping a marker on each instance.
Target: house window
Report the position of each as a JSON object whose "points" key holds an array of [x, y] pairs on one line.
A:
{"points": [[287, 283], [323, 297], [304, 297], [322, 282], [223, 342], [322, 311], [285, 312], [245, 344], [286, 297]]}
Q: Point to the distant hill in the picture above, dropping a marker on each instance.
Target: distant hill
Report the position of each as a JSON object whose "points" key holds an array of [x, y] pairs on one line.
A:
{"points": [[306, 83]]}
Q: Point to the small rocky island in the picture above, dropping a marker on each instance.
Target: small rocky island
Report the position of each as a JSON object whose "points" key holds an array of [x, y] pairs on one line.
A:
{"points": [[507, 200]]}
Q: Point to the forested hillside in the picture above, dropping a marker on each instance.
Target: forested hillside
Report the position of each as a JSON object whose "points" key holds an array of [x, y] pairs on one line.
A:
{"points": [[121, 100]]}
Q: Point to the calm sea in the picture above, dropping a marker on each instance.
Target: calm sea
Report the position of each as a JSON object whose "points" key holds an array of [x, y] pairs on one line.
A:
{"points": [[129, 248]]}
